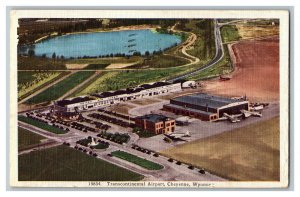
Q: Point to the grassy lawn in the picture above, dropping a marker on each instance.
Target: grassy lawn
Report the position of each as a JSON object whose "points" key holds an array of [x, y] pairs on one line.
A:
{"points": [[257, 29], [161, 61], [84, 142], [27, 138], [41, 125], [39, 63], [63, 163], [108, 60], [80, 90], [123, 79], [230, 33], [59, 89], [142, 133], [101, 146], [115, 137], [250, 153], [96, 85], [32, 81], [222, 67], [137, 160], [204, 47]]}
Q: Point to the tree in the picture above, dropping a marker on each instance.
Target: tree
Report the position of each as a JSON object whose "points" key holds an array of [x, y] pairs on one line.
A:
{"points": [[31, 53], [44, 55], [147, 53], [54, 55]]}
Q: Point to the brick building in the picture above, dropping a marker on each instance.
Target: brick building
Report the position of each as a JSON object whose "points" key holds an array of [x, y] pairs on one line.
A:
{"points": [[155, 123], [206, 107]]}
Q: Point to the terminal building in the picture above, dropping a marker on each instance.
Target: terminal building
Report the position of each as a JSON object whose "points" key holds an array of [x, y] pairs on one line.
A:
{"points": [[95, 101], [206, 107], [155, 123]]}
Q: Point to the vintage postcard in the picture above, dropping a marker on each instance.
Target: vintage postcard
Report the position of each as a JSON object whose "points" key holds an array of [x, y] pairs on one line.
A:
{"points": [[149, 98]]}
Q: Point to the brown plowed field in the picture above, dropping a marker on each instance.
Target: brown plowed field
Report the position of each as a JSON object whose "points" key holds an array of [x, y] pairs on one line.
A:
{"points": [[256, 73]]}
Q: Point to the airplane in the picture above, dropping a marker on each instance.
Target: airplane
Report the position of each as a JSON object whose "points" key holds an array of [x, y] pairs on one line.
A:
{"points": [[251, 113], [231, 118], [257, 108], [238, 97], [177, 136]]}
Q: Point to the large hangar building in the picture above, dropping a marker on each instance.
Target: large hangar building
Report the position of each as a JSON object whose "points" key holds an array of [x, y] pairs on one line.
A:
{"points": [[206, 107]]}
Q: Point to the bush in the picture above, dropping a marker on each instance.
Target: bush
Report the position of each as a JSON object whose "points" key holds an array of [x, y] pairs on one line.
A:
{"points": [[202, 171], [191, 167]]}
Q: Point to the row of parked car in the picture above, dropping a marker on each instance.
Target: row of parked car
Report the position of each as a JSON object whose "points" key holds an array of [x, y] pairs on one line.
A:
{"points": [[98, 125], [36, 118], [86, 151], [113, 113], [82, 127], [111, 120], [146, 151], [143, 150]]}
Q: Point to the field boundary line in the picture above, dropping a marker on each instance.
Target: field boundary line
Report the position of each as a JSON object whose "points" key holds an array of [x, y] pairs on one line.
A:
{"points": [[46, 87], [80, 85]]}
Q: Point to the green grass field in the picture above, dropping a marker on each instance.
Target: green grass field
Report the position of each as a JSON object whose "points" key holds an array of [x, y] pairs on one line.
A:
{"points": [[250, 153], [132, 59], [222, 67], [101, 146], [32, 81], [86, 88], [204, 47], [59, 89], [63, 163], [123, 79], [161, 61], [27, 138], [230, 33], [41, 125], [137, 160], [142, 133], [39, 63]]}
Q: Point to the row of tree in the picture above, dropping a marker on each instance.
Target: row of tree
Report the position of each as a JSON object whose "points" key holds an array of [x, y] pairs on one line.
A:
{"points": [[31, 53]]}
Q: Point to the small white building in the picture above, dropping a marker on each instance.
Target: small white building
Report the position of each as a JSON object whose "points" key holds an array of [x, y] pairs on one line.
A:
{"points": [[188, 84]]}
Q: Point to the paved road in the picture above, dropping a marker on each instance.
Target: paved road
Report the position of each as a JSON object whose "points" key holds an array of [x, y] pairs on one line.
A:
{"points": [[219, 55], [170, 172]]}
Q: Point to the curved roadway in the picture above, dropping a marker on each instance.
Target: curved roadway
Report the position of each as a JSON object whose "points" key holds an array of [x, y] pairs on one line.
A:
{"points": [[219, 55]]}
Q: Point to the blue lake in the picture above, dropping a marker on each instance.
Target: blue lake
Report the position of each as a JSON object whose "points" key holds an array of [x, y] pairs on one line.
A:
{"points": [[105, 43]]}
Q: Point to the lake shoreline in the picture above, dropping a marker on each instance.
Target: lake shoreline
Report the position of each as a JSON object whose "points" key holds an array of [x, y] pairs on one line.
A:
{"points": [[115, 29], [146, 32]]}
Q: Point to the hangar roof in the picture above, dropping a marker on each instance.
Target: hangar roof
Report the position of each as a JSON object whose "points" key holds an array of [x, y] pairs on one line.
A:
{"points": [[204, 100], [65, 102]]}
